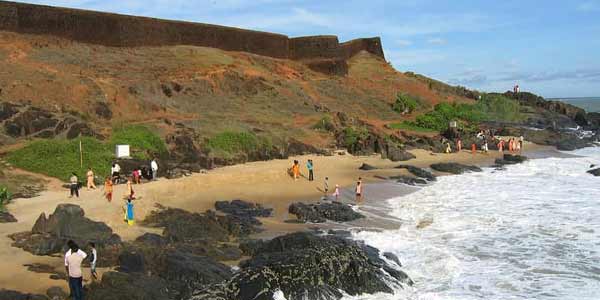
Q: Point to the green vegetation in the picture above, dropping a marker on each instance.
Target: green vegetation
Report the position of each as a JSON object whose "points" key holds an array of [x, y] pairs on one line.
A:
{"points": [[325, 124], [142, 141], [410, 126], [406, 104], [59, 158], [228, 143], [353, 135], [5, 197], [489, 108]]}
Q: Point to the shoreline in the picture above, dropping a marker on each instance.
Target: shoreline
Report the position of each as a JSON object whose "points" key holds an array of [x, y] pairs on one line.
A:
{"points": [[264, 182]]}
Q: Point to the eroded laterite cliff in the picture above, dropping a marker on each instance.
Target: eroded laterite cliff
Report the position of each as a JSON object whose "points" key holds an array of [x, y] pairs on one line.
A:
{"points": [[322, 53]]}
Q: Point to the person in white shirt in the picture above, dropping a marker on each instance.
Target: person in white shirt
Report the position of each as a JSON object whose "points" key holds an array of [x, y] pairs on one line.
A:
{"points": [[115, 171], [94, 259], [73, 259], [154, 168]]}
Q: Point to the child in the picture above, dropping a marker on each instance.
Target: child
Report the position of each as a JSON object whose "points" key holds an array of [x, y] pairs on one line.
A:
{"points": [[128, 210], [136, 176], [326, 185], [93, 260], [108, 188], [336, 193], [359, 190]]}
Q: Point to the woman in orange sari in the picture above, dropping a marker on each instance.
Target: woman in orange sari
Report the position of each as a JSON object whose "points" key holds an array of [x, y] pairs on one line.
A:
{"points": [[296, 170]]}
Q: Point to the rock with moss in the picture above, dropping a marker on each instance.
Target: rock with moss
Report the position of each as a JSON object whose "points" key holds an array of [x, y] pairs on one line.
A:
{"points": [[319, 213]]}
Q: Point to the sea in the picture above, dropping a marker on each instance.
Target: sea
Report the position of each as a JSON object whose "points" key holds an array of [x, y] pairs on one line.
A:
{"points": [[531, 231], [590, 104]]}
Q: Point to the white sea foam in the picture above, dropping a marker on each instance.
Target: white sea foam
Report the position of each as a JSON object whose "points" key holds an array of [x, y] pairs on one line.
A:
{"points": [[530, 232]]}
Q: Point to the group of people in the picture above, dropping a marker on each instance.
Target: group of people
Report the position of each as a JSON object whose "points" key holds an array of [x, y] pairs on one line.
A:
{"points": [[294, 171], [74, 257], [512, 144]]}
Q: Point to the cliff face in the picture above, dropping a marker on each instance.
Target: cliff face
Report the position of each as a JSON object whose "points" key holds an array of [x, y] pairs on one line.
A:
{"points": [[128, 31]]}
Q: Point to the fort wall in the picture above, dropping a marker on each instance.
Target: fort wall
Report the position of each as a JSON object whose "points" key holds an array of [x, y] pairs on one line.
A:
{"points": [[116, 30]]}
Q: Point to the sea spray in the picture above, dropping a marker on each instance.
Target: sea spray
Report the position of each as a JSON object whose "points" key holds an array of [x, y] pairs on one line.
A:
{"points": [[529, 232]]}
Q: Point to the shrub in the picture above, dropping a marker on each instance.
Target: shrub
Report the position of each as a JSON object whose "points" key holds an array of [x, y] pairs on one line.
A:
{"points": [[143, 142], [324, 124], [411, 126], [352, 135], [5, 197], [406, 104]]}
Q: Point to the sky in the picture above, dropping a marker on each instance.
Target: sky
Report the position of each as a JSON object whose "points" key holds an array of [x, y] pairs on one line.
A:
{"points": [[551, 48]]}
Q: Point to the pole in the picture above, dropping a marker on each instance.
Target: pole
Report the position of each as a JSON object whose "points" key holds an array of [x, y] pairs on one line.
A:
{"points": [[80, 154]]}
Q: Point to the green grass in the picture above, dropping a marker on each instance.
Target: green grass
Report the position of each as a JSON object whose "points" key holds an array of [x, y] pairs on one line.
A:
{"points": [[59, 158], [228, 143], [352, 135], [406, 103], [324, 124], [142, 141], [409, 126]]}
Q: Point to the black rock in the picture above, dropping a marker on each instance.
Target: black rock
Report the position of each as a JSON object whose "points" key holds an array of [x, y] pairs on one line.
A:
{"points": [[57, 293], [6, 217], [409, 180], [455, 168], [243, 209], [397, 154], [306, 266], [319, 213], [50, 234], [14, 295], [392, 257], [367, 167], [595, 172], [418, 172], [509, 159], [151, 240], [131, 261], [177, 173], [124, 286], [250, 247]]}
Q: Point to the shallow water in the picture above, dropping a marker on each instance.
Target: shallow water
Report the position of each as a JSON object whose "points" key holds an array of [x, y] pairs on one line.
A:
{"points": [[530, 232]]}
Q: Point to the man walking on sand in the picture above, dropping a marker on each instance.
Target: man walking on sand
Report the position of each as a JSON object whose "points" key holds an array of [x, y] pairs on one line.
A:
{"points": [[154, 168], [90, 179], [74, 185], [73, 259]]}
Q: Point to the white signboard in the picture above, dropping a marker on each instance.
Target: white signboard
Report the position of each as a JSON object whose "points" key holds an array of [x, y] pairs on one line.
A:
{"points": [[122, 151]]}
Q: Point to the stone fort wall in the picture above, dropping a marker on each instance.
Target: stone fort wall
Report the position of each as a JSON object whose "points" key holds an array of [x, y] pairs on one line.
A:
{"points": [[128, 31]]}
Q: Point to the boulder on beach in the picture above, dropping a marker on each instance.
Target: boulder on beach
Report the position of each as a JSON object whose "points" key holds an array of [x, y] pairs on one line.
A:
{"points": [[6, 217], [50, 234], [455, 168], [409, 180], [397, 154], [367, 167], [242, 208], [595, 172], [307, 266], [14, 295], [319, 213], [118, 285], [422, 173], [510, 159]]}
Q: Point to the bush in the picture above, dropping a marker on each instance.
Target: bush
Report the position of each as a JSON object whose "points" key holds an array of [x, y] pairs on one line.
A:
{"points": [[142, 141], [409, 126], [406, 104], [325, 124], [5, 197], [352, 135]]}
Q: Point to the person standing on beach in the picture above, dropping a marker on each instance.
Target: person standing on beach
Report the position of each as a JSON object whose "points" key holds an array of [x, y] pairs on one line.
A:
{"points": [[459, 145], [93, 260], [73, 259], [130, 192], [521, 140], [485, 147], [359, 190], [296, 170], [154, 168], [448, 148], [336, 192], [473, 148], [326, 186], [90, 179], [115, 171], [309, 166], [128, 210], [501, 146], [74, 185], [108, 188]]}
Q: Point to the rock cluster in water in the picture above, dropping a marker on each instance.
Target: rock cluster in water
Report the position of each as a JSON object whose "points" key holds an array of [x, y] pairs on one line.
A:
{"points": [[455, 168]]}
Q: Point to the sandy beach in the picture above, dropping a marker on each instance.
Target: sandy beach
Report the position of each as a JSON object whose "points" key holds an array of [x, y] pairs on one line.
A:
{"points": [[265, 182]]}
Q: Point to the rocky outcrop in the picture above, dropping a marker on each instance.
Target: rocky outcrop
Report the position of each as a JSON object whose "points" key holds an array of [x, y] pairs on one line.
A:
{"points": [[595, 172], [6, 217], [397, 154], [50, 234], [14, 295], [306, 266], [577, 114], [510, 159], [242, 208], [118, 285], [319, 213], [455, 168], [367, 167], [409, 180], [418, 172]]}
